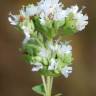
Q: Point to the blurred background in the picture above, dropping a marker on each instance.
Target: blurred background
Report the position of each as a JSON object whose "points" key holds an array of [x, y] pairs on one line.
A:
{"points": [[16, 78]]}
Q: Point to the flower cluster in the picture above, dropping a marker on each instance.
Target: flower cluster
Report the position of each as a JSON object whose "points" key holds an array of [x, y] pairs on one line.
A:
{"points": [[42, 25], [54, 59], [49, 58]]}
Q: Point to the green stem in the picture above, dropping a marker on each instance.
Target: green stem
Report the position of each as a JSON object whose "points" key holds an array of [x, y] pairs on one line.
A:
{"points": [[48, 86], [47, 82], [39, 42], [44, 83]]}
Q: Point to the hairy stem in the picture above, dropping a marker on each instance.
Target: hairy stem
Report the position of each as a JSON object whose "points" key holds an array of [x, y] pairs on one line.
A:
{"points": [[47, 82], [44, 84]]}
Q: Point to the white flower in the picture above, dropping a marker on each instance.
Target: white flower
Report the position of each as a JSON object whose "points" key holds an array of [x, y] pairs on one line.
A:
{"points": [[66, 49], [60, 48], [29, 10], [22, 11], [48, 6], [60, 14], [32, 10], [54, 47], [37, 67], [13, 19], [72, 9], [53, 64], [51, 9], [42, 19], [81, 20], [43, 53], [66, 71], [27, 34]]}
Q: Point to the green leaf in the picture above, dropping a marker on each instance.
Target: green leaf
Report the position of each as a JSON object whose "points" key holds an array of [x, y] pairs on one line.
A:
{"points": [[67, 59], [39, 89], [46, 30], [49, 24], [31, 49], [27, 58], [58, 24], [38, 25], [70, 25]]}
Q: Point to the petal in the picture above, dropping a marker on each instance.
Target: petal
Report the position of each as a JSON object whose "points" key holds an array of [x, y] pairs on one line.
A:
{"points": [[12, 22]]}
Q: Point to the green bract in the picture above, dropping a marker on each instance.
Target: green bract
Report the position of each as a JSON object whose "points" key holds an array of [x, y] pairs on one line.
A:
{"points": [[70, 25]]}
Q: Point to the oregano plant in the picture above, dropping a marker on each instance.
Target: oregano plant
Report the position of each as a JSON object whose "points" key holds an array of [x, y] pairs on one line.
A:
{"points": [[43, 24]]}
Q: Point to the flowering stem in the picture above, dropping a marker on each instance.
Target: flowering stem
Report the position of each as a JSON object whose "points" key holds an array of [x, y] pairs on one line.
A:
{"points": [[48, 86], [44, 84], [47, 82]]}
